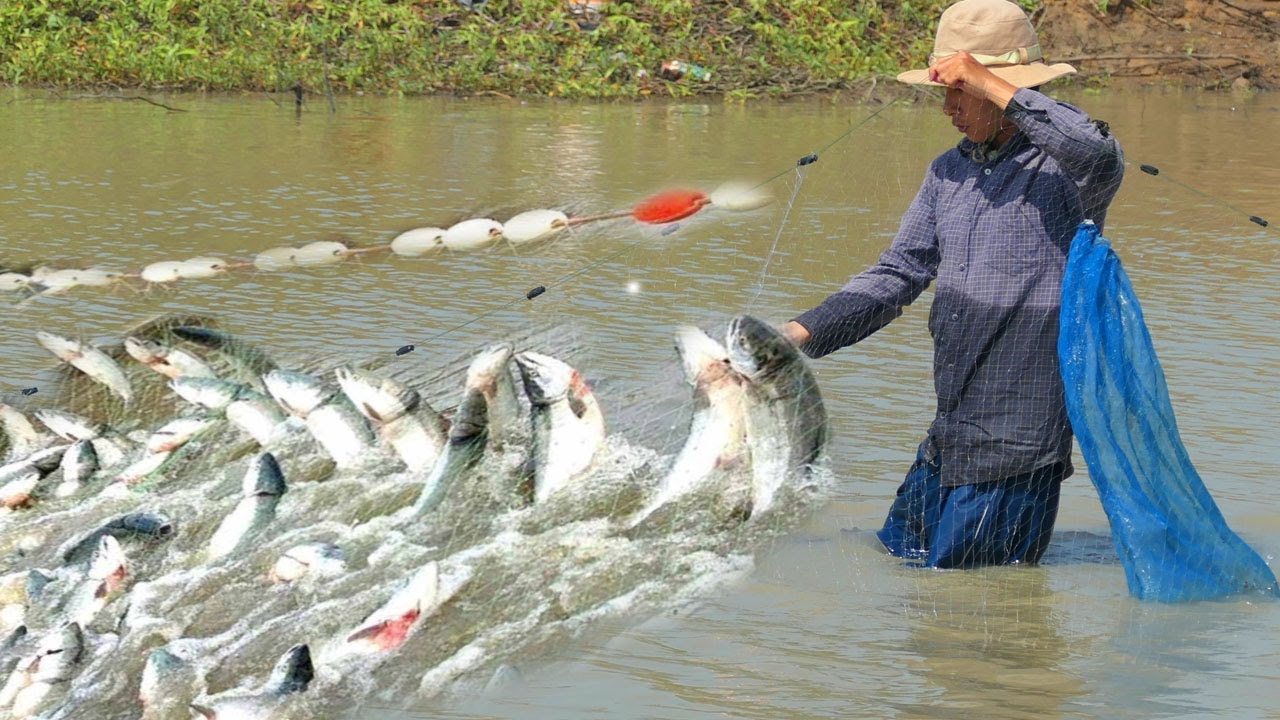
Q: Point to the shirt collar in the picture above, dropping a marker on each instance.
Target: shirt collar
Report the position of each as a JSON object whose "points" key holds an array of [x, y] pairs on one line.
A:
{"points": [[983, 153]]}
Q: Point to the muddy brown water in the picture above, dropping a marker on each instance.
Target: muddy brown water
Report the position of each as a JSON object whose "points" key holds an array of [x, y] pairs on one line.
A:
{"points": [[826, 625]]}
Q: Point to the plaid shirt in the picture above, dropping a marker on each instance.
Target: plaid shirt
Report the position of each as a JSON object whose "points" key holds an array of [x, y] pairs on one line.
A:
{"points": [[994, 231]]}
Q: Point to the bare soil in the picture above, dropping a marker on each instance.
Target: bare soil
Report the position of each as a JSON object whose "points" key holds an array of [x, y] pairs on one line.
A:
{"points": [[1199, 43]]}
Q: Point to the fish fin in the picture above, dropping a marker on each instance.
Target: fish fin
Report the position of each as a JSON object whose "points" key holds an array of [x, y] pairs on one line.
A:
{"points": [[387, 634], [200, 711]]}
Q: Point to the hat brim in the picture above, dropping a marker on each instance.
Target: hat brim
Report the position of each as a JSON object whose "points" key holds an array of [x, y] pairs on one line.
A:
{"points": [[1029, 75]]}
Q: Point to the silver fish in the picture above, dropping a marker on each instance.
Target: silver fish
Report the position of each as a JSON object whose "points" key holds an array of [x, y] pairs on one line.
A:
{"points": [[388, 626], [787, 427], [334, 422], [468, 438], [176, 433], [54, 662], [169, 683], [717, 440], [401, 418], [262, 487], [148, 525], [490, 374], [168, 361], [311, 559], [78, 465], [292, 674], [20, 434], [211, 393], [256, 415], [69, 425], [90, 361], [107, 571], [568, 429]]}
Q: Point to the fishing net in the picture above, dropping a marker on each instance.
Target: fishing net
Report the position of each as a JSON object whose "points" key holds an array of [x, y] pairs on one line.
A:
{"points": [[1172, 539]]}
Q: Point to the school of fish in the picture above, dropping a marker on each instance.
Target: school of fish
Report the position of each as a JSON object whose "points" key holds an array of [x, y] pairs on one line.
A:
{"points": [[201, 533]]}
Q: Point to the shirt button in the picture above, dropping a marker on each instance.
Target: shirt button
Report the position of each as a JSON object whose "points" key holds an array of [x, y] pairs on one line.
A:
{"points": [[955, 316], [942, 415], [950, 365], [986, 171], [961, 267]]}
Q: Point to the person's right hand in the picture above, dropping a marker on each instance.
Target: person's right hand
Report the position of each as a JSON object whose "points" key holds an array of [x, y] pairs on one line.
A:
{"points": [[795, 332]]}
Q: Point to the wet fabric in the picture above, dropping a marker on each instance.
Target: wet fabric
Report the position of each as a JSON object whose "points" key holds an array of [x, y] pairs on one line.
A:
{"points": [[1171, 537], [992, 523]]}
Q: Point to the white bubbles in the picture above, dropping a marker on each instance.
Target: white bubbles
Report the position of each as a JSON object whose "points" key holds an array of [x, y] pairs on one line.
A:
{"points": [[279, 258], [534, 225], [323, 252], [473, 234], [418, 241]]}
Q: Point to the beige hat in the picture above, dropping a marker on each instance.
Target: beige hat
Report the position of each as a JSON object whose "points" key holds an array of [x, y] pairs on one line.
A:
{"points": [[999, 35]]}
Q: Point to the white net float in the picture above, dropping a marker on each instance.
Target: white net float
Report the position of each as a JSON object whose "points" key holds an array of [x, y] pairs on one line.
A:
{"points": [[473, 234], [13, 281], [162, 272], [418, 241], [201, 267], [275, 259], [534, 225], [740, 196], [323, 252], [59, 280]]}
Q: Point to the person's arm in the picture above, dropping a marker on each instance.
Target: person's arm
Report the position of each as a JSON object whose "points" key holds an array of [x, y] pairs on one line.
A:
{"points": [[873, 298], [1086, 150]]}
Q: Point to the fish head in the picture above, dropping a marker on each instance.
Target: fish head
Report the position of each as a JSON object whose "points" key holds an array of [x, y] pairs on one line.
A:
{"points": [[299, 560], [64, 348], [703, 359], [58, 653], [108, 562], [264, 477], [298, 393], [163, 674], [147, 352], [68, 425], [382, 400], [756, 348], [546, 379], [488, 368], [207, 392], [292, 673]]}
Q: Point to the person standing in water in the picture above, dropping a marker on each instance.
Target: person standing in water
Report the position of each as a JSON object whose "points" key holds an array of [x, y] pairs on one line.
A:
{"points": [[991, 225]]}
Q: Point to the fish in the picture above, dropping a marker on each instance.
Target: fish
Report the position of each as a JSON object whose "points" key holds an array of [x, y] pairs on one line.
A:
{"points": [[250, 363], [70, 426], [490, 374], [106, 574], [177, 433], [148, 525], [21, 435], [468, 437], [390, 625], [787, 427], [79, 463], [567, 427], [291, 675], [169, 683], [168, 361], [717, 439], [18, 487], [89, 360], [403, 420], [55, 661], [210, 393], [255, 414], [330, 418], [309, 560], [262, 488]]}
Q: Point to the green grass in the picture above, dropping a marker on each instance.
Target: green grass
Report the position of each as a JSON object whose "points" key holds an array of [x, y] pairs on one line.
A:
{"points": [[511, 47]]}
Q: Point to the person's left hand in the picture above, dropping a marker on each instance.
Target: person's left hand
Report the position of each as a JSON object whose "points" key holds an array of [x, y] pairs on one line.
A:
{"points": [[963, 72]]}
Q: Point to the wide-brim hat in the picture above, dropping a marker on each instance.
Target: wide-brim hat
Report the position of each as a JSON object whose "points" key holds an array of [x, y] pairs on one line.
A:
{"points": [[999, 35]]}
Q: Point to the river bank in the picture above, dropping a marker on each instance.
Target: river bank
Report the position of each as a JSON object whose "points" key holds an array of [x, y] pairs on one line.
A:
{"points": [[602, 48]]}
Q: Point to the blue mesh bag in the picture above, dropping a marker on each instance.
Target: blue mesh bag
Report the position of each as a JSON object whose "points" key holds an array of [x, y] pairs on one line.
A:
{"points": [[1172, 539]]}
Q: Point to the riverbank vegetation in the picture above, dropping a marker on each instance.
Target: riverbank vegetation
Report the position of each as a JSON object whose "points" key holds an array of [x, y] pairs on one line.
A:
{"points": [[561, 48]]}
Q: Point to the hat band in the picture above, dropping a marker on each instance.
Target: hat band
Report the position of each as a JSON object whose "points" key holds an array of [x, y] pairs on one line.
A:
{"points": [[1019, 56]]}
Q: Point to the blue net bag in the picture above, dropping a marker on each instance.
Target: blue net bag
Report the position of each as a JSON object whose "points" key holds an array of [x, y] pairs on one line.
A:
{"points": [[1172, 539]]}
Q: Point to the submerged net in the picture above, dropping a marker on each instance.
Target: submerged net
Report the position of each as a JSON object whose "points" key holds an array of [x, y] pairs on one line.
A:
{"points": [[1171, 538]]}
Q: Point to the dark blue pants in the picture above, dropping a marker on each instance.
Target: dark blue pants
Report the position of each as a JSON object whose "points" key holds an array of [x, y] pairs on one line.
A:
{"points": [[992, 523]]}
